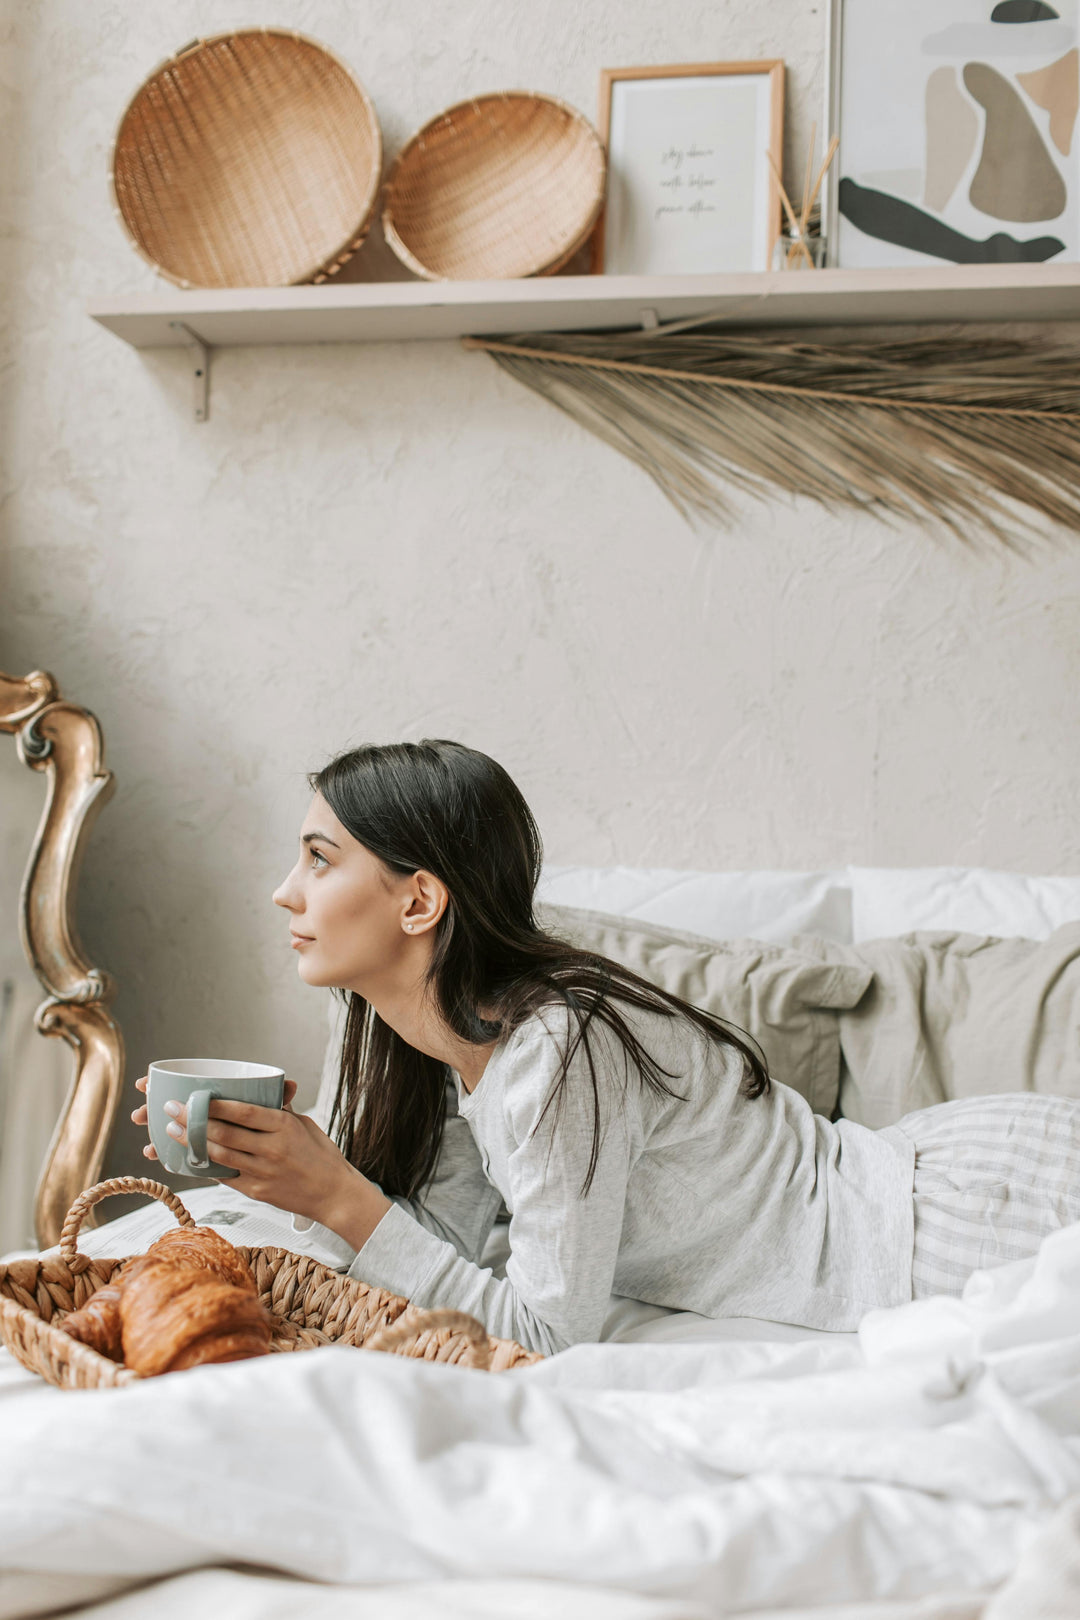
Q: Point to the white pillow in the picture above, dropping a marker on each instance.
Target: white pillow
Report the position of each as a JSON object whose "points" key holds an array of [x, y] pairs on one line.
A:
{"points": [[964, 899], [771, 906]]}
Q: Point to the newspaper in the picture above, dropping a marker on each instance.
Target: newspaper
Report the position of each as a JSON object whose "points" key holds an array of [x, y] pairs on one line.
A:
{"points": [[239, 1218]]}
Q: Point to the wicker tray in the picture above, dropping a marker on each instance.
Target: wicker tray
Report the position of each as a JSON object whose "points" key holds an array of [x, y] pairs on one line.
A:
{"points": [[249, 159], [502, 185], [310, 1305]]}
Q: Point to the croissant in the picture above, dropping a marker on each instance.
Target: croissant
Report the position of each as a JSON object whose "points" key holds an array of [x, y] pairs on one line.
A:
{"points": [[182, 1316], [189, 1300], [98, 1323], [202, 1246]]}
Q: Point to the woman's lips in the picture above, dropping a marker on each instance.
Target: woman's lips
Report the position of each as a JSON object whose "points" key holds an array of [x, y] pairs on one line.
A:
{"points": [[299, 940]]}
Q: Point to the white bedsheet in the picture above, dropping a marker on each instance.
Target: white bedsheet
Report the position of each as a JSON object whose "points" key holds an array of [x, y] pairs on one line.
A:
{"points": [[708, 1478], [263, 1595]]}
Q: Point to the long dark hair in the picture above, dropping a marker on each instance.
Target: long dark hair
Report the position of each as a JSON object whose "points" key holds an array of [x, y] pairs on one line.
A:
{"points": [[455, 812]]}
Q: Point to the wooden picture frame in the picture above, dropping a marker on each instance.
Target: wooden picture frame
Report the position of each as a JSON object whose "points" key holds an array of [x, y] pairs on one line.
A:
{"points": [[64, 743], [643, 161]]}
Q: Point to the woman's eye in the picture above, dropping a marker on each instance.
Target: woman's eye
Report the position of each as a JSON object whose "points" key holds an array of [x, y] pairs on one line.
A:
{"points": [[317, 860]]}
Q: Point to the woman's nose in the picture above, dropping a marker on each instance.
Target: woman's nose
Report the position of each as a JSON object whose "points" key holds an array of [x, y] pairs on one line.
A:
{"points": [[282, 895]]}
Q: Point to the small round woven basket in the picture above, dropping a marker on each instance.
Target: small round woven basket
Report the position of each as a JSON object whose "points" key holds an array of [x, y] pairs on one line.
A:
{"points": [[309, 1306], [249, 159], [502, 185]]}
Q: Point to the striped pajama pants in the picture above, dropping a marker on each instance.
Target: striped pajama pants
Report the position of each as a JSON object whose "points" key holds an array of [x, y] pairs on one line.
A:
{"points": [[993, 1175]]}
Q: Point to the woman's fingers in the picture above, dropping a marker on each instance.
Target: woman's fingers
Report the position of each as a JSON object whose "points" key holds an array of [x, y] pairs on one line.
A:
{"points": [[139, 1116], [249, 1115], [249, 1144], [230, 1157], [227, 1144], [141, 1083], [150, 1151]]}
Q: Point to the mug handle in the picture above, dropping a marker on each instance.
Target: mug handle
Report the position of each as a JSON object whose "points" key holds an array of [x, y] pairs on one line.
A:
{"points": [[198, 1112]]}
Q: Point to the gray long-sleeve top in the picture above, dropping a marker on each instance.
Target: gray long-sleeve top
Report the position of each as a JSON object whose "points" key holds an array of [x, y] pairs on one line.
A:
{"points": [[720, 1204]]}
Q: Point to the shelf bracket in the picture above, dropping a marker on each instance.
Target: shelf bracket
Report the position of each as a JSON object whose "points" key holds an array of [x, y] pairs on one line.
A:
{"points": [[200, 368]]}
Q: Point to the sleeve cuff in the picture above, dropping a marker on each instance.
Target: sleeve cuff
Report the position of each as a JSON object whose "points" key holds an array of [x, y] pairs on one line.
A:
{"points": [[400, 1255], [314, 1232]]}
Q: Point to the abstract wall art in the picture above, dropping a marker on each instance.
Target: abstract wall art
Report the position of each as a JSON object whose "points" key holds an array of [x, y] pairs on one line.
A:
{"points": [[958, 139]]}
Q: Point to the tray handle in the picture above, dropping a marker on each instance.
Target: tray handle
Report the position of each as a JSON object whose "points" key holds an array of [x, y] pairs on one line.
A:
{"points": [[85, 1202], [415, 1321]]}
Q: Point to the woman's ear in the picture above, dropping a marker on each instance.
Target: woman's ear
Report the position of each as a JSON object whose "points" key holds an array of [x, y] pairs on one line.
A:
{"points": [[432, 896]]}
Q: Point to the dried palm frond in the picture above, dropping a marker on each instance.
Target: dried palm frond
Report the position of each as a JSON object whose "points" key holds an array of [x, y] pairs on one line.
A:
{"points": [[949, 429]]}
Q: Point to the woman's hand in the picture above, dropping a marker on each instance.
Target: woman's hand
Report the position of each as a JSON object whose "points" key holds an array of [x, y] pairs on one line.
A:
{"points": [[141, 1117], [283, 1159]]}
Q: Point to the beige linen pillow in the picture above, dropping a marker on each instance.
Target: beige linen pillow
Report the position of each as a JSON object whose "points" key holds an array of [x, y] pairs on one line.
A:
{"points": [[958, 1015], [783, 996]]}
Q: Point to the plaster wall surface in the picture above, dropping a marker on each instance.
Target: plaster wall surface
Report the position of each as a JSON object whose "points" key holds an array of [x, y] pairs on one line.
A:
{"points": [[397, 541]]}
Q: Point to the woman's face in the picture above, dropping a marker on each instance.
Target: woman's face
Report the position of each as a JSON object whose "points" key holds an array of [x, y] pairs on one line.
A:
{"points": [[347, 910]]}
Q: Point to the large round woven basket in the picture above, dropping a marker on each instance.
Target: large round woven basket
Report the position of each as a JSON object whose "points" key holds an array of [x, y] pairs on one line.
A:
{"points": [[502, 185], [250, 159], [309, 1305]]}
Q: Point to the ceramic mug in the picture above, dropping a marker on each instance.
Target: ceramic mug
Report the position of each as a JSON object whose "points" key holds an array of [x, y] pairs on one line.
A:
{"points": [[197, 1082]]}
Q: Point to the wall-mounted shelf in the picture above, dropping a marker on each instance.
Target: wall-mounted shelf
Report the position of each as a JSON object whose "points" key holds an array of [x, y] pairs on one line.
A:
{"points": [[379, 312], [373, 312]]}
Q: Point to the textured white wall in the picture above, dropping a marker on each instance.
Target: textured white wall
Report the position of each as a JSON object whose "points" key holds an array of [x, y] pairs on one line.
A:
{"points": [[397, 541]]}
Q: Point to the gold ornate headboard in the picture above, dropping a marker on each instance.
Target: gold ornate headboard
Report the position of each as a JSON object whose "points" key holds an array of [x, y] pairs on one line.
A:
{"points": [[64, 743]]}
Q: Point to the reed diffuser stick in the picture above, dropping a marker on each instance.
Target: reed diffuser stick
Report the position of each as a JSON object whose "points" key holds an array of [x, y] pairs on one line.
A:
{"points": [[805, 214], [833, 144], [793, 223]]}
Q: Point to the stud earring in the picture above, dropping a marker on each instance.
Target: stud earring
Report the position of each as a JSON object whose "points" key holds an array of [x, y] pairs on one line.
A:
{"points": [[409, 927]]}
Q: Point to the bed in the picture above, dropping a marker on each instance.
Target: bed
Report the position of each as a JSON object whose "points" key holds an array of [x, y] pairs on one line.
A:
{"points": [[924, 1468]]}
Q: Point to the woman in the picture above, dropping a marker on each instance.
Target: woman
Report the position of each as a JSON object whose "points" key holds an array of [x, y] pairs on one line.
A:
{"points": [[638, 1141]]}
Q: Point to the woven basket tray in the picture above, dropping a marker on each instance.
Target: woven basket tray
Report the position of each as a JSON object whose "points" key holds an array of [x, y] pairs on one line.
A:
{"points": [[250, 159], [502, 185], [310, 1305]]}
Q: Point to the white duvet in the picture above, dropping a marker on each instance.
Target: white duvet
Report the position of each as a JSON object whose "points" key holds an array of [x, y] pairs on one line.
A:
{"points": [[709, 1477]]}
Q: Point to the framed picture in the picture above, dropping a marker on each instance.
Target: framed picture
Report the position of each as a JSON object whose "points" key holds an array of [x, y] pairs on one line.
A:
{"points": [[957, 125], [689, 188]]}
